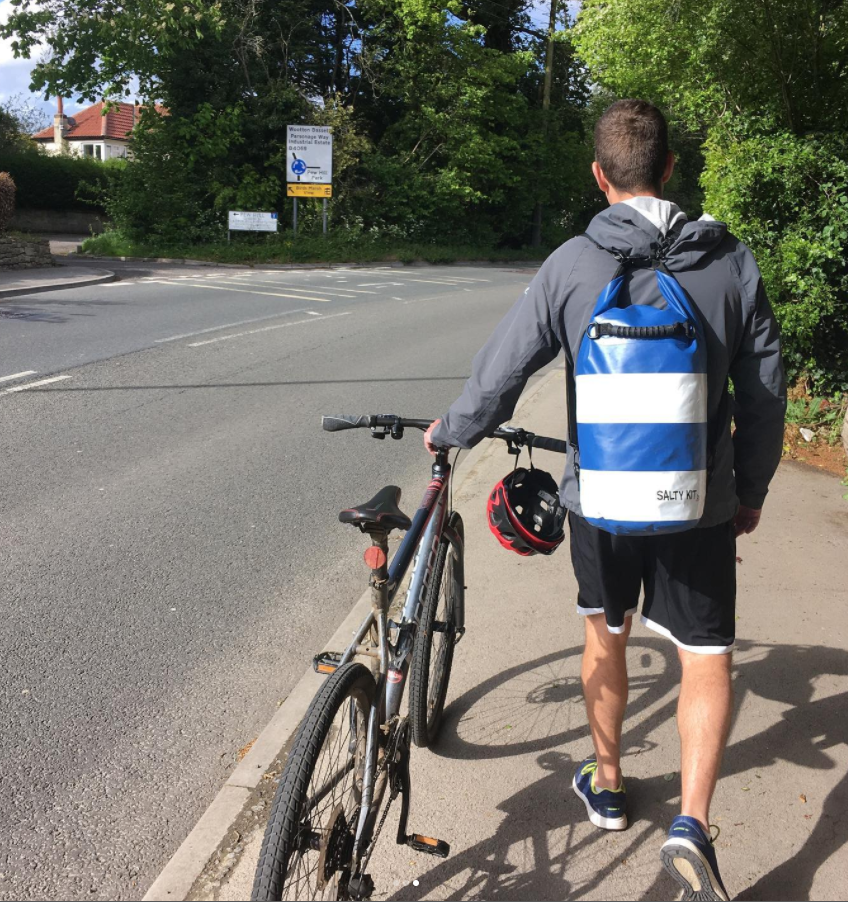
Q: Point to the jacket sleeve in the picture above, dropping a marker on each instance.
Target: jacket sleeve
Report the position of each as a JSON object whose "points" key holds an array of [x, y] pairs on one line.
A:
{"points": [[759, 386], [523, 343]]}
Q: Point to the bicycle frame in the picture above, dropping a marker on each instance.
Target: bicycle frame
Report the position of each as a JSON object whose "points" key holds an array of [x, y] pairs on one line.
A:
{"points": [[418, 548]]}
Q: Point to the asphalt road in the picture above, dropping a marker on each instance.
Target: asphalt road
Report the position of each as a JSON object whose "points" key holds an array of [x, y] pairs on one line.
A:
{"points": [[169, 551]]}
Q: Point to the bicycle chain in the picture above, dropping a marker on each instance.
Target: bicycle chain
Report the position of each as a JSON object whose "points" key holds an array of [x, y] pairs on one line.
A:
{"points": [[394, 789]]}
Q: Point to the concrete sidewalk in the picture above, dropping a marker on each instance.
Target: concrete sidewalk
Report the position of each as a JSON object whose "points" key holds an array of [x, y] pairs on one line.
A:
{"points": [[497, 786], [17, 282]]}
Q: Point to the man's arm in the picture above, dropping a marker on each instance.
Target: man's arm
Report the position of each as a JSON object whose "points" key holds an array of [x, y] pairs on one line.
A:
{"points": [[522, 343], [759, 386]]}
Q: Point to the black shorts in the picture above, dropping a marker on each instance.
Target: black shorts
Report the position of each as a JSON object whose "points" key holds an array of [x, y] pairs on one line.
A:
{"points": [[689, 580]]}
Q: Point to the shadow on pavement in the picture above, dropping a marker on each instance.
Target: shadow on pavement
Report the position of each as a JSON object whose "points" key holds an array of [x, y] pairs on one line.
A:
{"points": [[537, 708]]}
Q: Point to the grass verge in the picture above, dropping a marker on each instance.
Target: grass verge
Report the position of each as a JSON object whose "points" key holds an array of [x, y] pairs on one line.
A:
{"points": [[251, 249]]}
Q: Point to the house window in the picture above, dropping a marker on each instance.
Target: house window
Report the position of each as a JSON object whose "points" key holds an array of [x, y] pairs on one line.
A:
{"points": [[92, 150]]}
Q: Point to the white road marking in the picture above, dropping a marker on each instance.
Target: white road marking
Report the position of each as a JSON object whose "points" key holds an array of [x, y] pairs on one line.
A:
{"points": [[309, 288], [17, 375], [273, 294], [241, 322], [36, 384], [300, 322], [312, 312], [379, 272], [367, 284], [446, 281]]}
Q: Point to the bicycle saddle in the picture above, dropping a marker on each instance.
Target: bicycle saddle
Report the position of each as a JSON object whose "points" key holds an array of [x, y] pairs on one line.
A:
{"points": [[381, 512]]}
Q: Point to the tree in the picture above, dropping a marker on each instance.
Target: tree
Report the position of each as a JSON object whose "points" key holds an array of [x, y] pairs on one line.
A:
{"points": [[764, 85], [19, 118], [437, 108]]}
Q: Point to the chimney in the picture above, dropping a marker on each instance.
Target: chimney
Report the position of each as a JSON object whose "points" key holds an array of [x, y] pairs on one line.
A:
{"points": [[60, 125], [103, 123]]}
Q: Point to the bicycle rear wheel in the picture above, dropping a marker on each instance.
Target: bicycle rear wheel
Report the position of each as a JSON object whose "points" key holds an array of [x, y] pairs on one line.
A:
{"points": [[432, 656], [309, 837]]}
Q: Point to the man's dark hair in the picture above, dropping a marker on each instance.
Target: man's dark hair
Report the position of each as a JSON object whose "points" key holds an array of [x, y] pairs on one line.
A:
{"points": [[631, 145]]}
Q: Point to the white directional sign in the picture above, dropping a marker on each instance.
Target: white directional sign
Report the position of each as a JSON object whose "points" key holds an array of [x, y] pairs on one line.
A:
{"points": [[309, 154], [252, 222]]}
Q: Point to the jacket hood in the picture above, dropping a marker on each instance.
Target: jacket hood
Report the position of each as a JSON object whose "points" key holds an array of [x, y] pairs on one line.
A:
{"points": [[635, 232]]}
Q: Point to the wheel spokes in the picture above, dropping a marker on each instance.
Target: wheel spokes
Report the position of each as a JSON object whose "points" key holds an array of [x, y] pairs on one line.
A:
{"points": [[331, 809]]}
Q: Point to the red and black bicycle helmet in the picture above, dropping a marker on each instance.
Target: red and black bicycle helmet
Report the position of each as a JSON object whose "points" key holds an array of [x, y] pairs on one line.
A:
{"points": [[525, 513]]}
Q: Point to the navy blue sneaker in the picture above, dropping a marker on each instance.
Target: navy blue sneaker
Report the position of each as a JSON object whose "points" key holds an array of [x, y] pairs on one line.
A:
{"points": [[689, 857], [607, 808]]}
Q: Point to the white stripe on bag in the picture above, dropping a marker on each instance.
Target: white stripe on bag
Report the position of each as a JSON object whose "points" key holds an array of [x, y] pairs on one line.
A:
{"points": [[643, 497], [642, 398]]}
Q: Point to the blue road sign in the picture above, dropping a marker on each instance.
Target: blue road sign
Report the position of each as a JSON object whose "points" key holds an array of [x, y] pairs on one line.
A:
{"points": [[298, 167]]}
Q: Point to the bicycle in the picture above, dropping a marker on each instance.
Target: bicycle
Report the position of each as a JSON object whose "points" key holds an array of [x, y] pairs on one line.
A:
{"points": [[354, 744]]}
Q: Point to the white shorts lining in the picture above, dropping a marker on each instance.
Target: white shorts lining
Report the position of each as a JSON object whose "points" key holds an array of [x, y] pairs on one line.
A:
{"points": [[590, 612], [695, 649]]}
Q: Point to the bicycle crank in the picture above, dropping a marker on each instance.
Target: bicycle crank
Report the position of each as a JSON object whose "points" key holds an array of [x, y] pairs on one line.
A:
{"points": [[360, 887]]}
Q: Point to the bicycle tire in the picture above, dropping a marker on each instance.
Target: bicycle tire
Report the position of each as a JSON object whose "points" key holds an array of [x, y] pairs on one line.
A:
{"points": [[284, 833], [426, 700]]}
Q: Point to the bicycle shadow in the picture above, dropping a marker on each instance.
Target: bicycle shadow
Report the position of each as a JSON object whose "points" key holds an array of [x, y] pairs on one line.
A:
{"points": [[541, 821]]}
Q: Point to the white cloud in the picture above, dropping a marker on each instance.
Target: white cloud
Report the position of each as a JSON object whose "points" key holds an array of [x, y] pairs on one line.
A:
{"points": [[15, 73]]}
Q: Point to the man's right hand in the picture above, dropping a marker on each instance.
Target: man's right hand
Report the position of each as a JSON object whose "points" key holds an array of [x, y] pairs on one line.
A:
{"points": [[746, 520], [427, 443]]}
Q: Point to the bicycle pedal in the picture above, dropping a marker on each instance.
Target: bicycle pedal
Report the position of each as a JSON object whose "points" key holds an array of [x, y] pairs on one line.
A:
{"points": [[326, 662], [428, 845], [360, 887]]}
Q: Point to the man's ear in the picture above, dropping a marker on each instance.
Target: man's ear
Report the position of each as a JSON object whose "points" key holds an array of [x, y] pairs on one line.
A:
{"points": [[669, 167], [600, 178]]}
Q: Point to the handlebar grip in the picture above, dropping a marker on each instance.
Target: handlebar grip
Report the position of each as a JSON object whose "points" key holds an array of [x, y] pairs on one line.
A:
{"points": [[549, 444], [345, 421]]}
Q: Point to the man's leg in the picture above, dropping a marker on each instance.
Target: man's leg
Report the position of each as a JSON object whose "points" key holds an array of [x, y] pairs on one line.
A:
{"points": [[604, 676], [704, 712]]}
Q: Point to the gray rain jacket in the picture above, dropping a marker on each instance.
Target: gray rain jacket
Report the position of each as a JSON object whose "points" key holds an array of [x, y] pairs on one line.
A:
{"points": [[720, 276]]}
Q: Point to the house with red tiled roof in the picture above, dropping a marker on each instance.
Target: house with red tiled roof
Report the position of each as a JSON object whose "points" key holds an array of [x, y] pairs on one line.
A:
{"points": [[101, 131]]}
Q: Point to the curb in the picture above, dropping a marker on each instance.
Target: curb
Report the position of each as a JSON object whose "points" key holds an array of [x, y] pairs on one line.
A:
{"points": [[106, 276], [188, 862], [189, 262], [284, 267]]}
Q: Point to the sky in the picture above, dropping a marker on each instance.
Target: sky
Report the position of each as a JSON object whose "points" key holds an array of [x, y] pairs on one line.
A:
{"points": [[14, 74]]}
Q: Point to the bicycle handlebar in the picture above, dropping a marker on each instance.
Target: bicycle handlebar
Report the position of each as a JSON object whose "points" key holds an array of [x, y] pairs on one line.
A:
{"points": [[370, 421], [523, 439], [512, 436]]}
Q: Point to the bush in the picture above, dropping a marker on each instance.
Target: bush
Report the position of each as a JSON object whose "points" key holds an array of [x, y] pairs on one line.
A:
{"points": [[786, 197], [7, 200], [56, 182]]}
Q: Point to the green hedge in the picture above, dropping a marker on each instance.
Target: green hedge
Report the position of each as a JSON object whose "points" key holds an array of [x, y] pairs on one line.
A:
{"points": [[56, 182]]}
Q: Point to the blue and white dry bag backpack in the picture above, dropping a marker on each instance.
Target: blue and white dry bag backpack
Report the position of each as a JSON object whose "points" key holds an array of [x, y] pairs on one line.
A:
{"points": [[640, 380]]}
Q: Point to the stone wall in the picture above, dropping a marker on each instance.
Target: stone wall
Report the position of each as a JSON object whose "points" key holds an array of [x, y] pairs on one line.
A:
{"points": [[20, 253], [59, 222]]}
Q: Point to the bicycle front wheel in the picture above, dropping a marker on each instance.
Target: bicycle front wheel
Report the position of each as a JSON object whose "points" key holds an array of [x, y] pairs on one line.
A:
{"points": [[309, 837], [435, 639]]}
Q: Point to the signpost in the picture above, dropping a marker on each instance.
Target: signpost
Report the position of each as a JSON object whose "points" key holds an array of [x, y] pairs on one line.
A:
{"points": [[309, 170], [241, 221], [294, 189]]}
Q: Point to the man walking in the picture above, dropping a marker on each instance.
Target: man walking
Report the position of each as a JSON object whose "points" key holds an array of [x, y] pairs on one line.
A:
{"points": [[688, 577]]}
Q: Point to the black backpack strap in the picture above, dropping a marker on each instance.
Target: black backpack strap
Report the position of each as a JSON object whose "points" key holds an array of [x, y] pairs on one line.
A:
{"points": [[571, 403], [654, 260]]}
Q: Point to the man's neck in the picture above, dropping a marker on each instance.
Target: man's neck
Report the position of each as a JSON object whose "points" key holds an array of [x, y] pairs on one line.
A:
{"points": [[617, 197]]}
